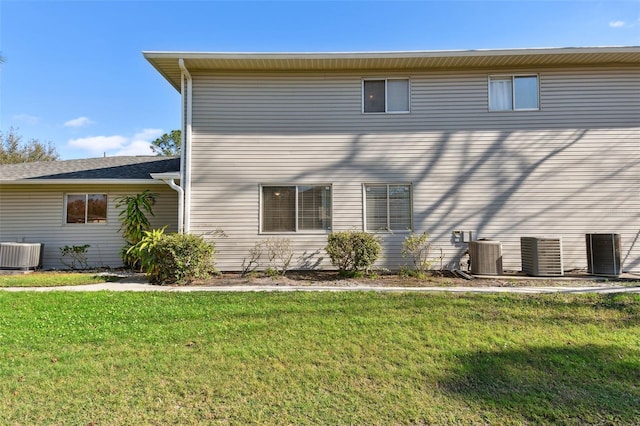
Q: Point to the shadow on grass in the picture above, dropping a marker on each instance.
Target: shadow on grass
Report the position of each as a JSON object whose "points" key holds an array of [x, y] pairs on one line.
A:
{"points": [[567, 385], [108, 278]]}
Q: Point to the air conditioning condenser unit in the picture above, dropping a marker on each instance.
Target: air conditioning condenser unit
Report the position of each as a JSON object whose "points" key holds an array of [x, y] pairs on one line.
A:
{"points": [[486, 257], [603, 254], [541, 257]]}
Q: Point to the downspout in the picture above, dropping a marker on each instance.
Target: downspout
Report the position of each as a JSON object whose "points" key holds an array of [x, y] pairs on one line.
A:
{"points": [[169, 180], [178, 188], [185, 158]]}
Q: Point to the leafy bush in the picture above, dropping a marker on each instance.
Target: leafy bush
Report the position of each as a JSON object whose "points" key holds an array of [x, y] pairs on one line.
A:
{"points": [[353, 251], [183, 258], [175, 258], [417, 247], [74, 256], [145, 251]]}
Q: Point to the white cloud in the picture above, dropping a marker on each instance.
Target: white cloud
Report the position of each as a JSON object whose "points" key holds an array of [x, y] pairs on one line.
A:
{"points": [[135, 148], [617, 24], [25, 118], [78, 122], [98, 144], [138, 144], [148, 134]]}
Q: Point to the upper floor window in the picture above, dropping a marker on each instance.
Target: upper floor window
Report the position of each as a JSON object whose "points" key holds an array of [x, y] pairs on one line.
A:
{"points": [[513, 93], [296, 208], [390, 95], [388, 207], [86, 208]]}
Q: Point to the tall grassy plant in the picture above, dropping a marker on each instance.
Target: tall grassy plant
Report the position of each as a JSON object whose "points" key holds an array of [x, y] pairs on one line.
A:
{"points": [[134, 222]]}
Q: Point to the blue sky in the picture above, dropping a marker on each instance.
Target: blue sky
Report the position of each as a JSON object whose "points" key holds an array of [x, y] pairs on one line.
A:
{"points": [[74, 73]]}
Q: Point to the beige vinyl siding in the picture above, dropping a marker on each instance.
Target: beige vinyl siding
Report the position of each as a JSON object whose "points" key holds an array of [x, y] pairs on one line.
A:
{"points": [[35, 213], [571, 168]]}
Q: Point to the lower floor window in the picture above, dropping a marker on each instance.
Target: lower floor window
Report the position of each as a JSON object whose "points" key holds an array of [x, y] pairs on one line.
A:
{"points": [[86, 208], [388, 207], [296, 208]]}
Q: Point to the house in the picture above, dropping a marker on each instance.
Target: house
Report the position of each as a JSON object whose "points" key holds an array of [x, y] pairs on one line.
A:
{"points": [[503, 143], [73, 202]]}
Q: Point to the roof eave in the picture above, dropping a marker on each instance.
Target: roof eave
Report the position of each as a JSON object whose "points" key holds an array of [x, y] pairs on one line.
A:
{"points": [[167, 62], [36, 181], [165, 175], [386, 54]]}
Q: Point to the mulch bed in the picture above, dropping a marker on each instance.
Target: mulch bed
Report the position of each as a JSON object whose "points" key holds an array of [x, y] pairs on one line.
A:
{"points": [[434, 279]]}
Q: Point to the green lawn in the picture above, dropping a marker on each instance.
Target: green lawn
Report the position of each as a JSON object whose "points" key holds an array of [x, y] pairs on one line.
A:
{"points": [[318, 358], [54, 279]]}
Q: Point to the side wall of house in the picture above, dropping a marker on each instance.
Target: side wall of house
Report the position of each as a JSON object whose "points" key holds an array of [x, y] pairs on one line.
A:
{"points": [[571, 168], [35, 214]]}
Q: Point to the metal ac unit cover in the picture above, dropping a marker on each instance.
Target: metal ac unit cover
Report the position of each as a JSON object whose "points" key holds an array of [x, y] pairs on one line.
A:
{"points": [[20, 255], [541, 257], [486, 257], [603, 254]]}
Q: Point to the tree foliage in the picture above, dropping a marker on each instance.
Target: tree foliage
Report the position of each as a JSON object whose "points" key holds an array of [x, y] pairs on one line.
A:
{"points": [[167, 144], [13, 150]]}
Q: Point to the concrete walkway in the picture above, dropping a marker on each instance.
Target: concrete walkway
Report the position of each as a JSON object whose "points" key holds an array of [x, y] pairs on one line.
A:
{"points": [[141, 286]]}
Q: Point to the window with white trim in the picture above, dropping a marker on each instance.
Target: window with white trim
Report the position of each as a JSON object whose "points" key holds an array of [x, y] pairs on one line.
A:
{"points": [[388, 207], [514, 93], [85, 208], [388, 95], [296, 208]]}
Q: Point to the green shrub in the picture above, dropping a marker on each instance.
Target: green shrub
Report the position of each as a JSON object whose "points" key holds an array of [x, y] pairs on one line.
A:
{"points": [[417, 248], [175, 258], [74, 256], [353, 251]]}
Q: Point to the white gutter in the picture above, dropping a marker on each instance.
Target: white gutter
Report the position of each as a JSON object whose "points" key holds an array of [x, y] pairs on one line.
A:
{"points": [[169, 179], [185, 157]]}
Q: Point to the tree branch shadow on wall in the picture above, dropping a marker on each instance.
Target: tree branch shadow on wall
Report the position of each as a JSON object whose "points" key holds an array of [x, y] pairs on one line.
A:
{"points": [[357, 164], [568, 385]]}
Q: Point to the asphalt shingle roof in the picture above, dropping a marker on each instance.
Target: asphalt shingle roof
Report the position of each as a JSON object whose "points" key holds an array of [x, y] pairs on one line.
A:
{"points": [[116, 168]]}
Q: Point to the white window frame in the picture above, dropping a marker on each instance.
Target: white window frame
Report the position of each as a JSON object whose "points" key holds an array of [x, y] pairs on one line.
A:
{"points": [[297, 225], [386, 96], [86, 209], [388, 228], [513, 92]]}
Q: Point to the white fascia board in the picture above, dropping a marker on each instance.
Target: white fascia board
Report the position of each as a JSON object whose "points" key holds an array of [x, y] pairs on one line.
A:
{"points": [[387, 54]]}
